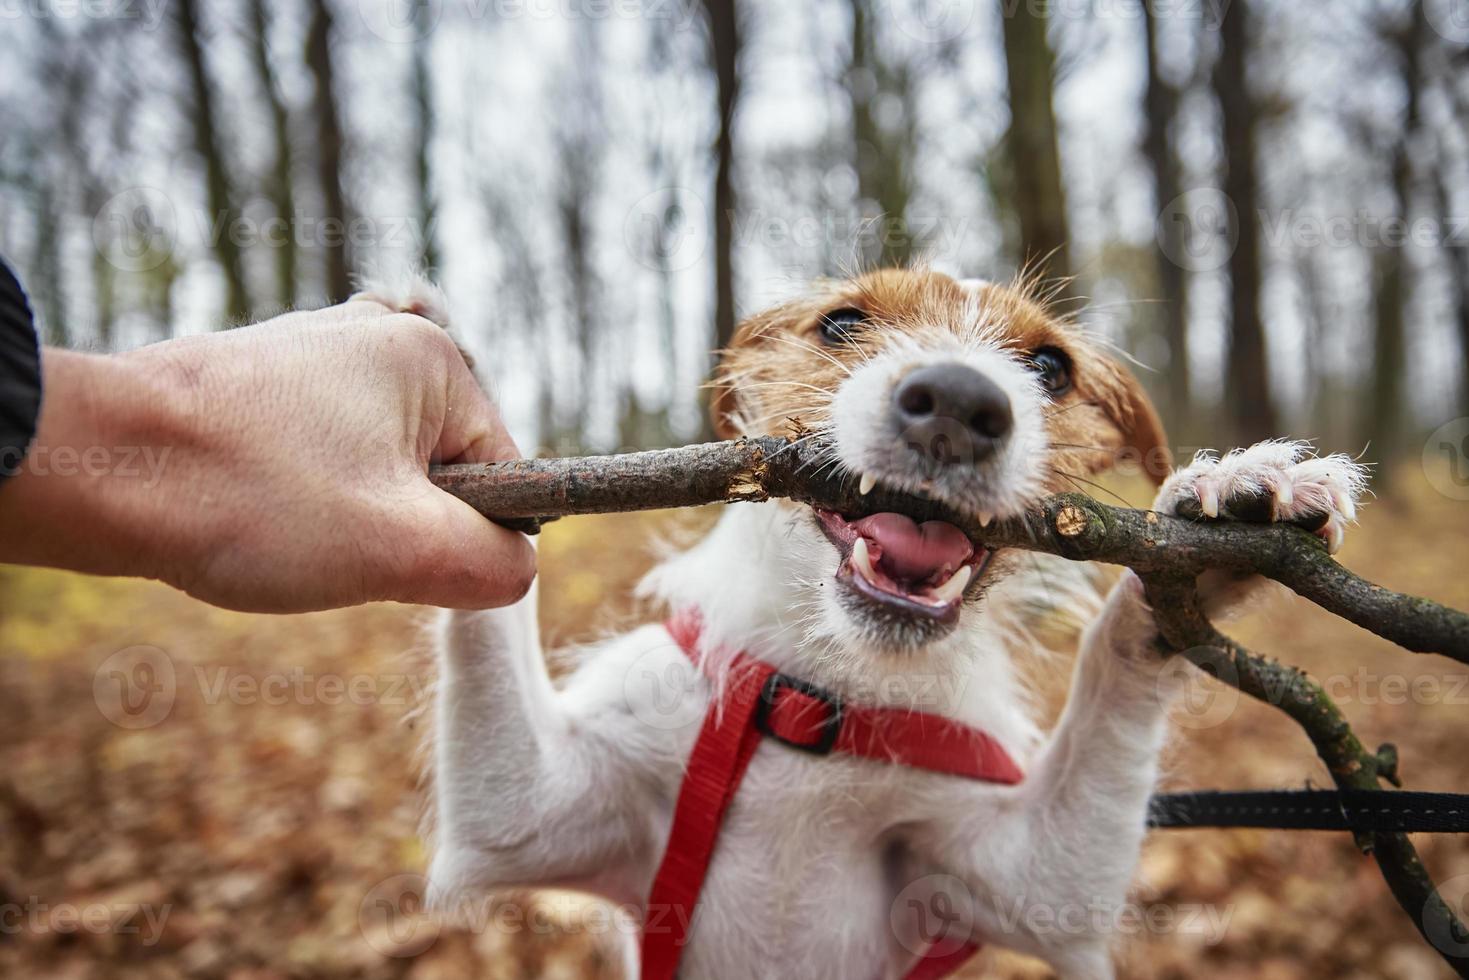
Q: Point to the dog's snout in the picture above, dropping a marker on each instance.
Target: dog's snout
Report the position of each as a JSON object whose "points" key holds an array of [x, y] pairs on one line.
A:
{"points": [[953, 412]]}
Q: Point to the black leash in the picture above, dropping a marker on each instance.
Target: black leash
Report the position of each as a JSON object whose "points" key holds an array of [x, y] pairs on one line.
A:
{"points": [[1372, 811]]}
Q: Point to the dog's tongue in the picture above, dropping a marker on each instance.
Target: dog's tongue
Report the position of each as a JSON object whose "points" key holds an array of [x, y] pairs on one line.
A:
{"points": [[915, 551]]}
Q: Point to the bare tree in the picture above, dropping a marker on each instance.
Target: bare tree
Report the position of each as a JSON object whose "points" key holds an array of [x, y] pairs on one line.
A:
{"points": [[279, 183], [330, 147], [1160, 105], [1034, 151], [219, 190], [1247, 377], [1385, 409], [882, 159], [580, 148], [723, 51], [423, 109]]}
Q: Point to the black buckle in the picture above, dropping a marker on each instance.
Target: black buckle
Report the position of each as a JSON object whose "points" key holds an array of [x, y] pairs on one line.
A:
{"points": [[830, 728]]}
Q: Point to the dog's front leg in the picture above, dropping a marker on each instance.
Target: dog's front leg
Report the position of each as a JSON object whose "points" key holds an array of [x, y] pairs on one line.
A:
{"points": [[527, 793], [1045, 865]]}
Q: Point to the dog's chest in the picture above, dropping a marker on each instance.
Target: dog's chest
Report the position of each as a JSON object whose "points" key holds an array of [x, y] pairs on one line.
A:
{"points": [[806, 866]]}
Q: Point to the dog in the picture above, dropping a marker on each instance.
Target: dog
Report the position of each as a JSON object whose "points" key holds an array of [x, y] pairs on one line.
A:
{"points": [[835, 865]]}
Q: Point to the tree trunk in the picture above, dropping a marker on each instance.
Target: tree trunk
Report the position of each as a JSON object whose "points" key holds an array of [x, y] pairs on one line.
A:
{"points": [[1035, 157], [879, 158], [1161, 106], [1247, 393], [1384, 423], [330, 145], [279, 186], [724, 54], [423, 104], [50, 295], [1460, 276], [223, 215]]}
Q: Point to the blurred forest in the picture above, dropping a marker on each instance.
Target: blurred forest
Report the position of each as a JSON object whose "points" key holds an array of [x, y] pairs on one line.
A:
{"points": [[1267, 203], [1263, 201]]}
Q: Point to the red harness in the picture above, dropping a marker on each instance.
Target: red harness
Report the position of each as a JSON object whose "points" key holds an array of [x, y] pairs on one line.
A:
{"points": [[759, 701]]}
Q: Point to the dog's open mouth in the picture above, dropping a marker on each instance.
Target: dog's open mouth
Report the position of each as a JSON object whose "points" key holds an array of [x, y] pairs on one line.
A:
{"points": [[919, 570]]}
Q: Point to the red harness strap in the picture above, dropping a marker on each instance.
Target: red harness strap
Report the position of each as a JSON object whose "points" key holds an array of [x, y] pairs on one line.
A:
{"points": [[759, 701]]}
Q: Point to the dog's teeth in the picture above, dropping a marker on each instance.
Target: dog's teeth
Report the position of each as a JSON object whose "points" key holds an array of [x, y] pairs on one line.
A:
{"points": [[1346, 506], [954, 587], [862, 561], [865, 485], [986, 518], [1208, 500]]}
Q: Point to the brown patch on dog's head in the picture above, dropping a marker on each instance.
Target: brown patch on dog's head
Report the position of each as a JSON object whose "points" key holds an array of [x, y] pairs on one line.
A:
{"points": [[1107, 418], [779, 373]]}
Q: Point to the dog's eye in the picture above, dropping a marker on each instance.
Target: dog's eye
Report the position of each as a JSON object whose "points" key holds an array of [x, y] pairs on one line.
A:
{"points": [[841, 326], [1054, 369]]}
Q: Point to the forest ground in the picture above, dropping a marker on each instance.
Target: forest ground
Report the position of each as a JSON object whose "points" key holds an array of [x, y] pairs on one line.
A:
{"points": [[258, 829]]}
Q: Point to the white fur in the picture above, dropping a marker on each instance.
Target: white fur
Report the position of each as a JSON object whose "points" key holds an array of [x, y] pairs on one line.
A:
{"points": [[820, 860]]}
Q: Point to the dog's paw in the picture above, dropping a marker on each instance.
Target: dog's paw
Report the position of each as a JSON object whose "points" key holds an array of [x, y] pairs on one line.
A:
{"points": [[407, 291], [1277, 481], [410, 291]]}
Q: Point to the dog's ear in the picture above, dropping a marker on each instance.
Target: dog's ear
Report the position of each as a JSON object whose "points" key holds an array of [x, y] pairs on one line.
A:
{"points": [[1129, 408], [722, 405], [753, 355]]}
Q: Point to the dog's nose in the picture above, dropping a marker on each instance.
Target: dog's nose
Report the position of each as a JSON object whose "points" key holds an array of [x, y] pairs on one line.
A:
{"points": [[952, 412]]}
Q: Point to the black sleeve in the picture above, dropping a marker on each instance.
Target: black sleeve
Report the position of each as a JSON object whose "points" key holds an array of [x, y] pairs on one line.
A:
{"points": [[20, 373]]}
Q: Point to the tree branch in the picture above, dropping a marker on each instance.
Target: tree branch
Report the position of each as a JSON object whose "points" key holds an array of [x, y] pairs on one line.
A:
{"points": [[1167, 552], [524, 493]]}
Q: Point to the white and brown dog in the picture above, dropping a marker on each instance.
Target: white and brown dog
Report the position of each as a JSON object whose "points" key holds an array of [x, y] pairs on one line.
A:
{"points": [[977, 396]]}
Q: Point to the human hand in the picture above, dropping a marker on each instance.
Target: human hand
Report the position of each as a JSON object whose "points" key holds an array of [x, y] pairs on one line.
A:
{"points": [[277, 468]]}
